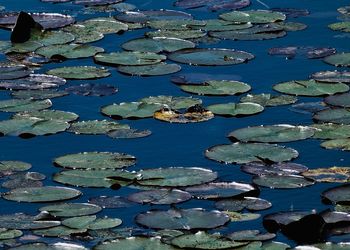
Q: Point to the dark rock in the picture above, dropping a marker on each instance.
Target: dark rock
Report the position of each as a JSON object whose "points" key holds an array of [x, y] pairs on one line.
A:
{"points": [[24, 25]]}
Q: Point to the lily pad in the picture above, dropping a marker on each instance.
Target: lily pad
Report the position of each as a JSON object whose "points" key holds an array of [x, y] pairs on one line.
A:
{"points": [[236, 109], [95, 127], [80, 72], [149, 15], [111, 202], [24, 180], [128, 133], [176, 177], [308, 107], [71, 209], [210, 57], [106, 25], [9, 72], [173, 102], [185, 219], [95, 2], [338, 60], [22, 221], [14, 166], [18, 105], [332, 76], [150, 70], [335, 115], [176, 24], [337, 195], [340, 26], [134, 243], [160, 197], [131, 110], [236, 205], [343, 144], [69, 51], [33, 82], [41, 194], [250, 152], [49, 38], [331, 131], [84, 34], [59, 231], [253, 16], [268, 100], [222, 25], [333, 174], [129, 58], [38, 94], [91, 222], [55, 246], [272, 133], [193, 114], [310, 88], [203, 240], [95, 160], [251, 235], [92, 89], [340, 100], [213, 5], [157, 44], [6, 234], [282, 168], [180, 34], [48, 115], [282, 181], [217, 190]]}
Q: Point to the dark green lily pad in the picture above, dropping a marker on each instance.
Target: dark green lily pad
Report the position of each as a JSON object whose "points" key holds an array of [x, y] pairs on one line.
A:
{"points": [[6, 234], [95, 160], [134, 243], [131, 110], [332, 76], [282, 181], [236, 109], [180, 34], [340, 26], [338, 60], [236, 205], [222, 25], [176, 177], [48, 114], [55, 246], [69, 51], [26, 47], [193, 114], [269, 100], [342, 144], [173, 102], [9, 72], [80, 72], [337, 195], [253, 16], [22, 221], [239, 217], [59, 231], [160, 197], [128, 133], [335, 115], [84, 34], [292, 26], [96, 127], [333, 174], [222, 87], [150, 70], [340, 100], [272, 133], [48, 38], [91, 222], [111, 202], [157, 44], [308, 107], [250, 152], [38, 94], [310, 88], [71, 209], [203, 240], [24, 180], [210, 57], [217, 190], [18, 105], [185, 219], [33, 82], [282, 168], [105, 25], [14, 166], [331, 131], [251, 235], [129, 58], [174, 25]]}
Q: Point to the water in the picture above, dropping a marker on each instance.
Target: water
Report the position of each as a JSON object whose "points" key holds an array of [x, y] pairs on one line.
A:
{"points": [[179, 144]]}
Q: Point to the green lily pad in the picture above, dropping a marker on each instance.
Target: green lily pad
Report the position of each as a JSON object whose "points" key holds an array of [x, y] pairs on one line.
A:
{"points": [[193, 114], [105, 25], [91, 222], [33, 82], [310, 88], [250, 152], [343, 144], [332, 76], [69, 51], [275, 246], [222, 25], [272, 133], [131, 110], [176, 24], [217, 190], [340, 100], [236, 109], [84, 34], [292, 26], [337, 195], [175, 177], [150, 70], [29, 46], [340, 26], [24, 180], [96, 127], [236, 205], [6, 234], [41, 194], [180, 34], [22, 221], [55, 246], [71, 209], [48, 114], [338, 60], [210, 57], [51, 37], [14, 166], [9, 72], [222, 87], [253, 16], [203, 240], [182, 219], [59, 231], [134, 243], [157, 44], [173, 102], [111, 202], [79, 72], [331, 131], [281, 168], [94, 178], [251, 235], [239, 217], [18, 105], [128, 133], [95, 160], [269, 100], [129, 58], [282, 181], [333, 174], [336, 115], [160, 196], [38, 94]]}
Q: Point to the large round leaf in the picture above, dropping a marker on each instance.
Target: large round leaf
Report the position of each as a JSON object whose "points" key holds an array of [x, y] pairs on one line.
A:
{"points": [[160, 196], [282, 181], [80, 72], [250, 152], [281, 168], [331, 131], [33, 82], [337, 195], [9, 72], [131, 110], [55, 246], [253, 16], [236, 109], [92, 89], [173, 102], [105, 25], [70, 51], [134, 243], [341, 59], [336, 115], [269, 100], [71, 209], [14, 166], [341, 100], [213, 5], [95, 127], [332, 76], [343, 144], [149, 15], [150, 70], [38, 94], [133, 58], [236, 205], [180, 34], [84, 34], [25, 222], [18, 105], [185, 219], [48, 114]]}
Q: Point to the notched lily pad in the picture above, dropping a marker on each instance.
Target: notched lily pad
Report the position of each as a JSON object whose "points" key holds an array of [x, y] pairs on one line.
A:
{"points": [[338, 60], [95, 127], [340, 100], [131, 110], [334, 115], [342, 144], [9, 72], [38, 94], [282, 168], [282, 181], [111, 202], [33, 82], [149, 15], [150, 70], [268, 100], [236, 205], [331, 131], [250, 235], [71, 209], [22, 221], [19, 105], [129, 58], [48, 114], [68, 51], [160, 196], [213, 5], [332, 76], [80, 72], [236, 109], [253, 16], [337, 195], [134, 243]]}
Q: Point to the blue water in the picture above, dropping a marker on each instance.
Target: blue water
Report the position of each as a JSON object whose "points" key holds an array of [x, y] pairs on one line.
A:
{"points": [[179, 144]]}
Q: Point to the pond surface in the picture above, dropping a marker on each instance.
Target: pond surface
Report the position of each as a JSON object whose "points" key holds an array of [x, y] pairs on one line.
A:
{"points": [[184, 145]]}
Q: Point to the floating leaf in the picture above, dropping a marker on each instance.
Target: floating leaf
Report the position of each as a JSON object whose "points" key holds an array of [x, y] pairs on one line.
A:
{"points": [[33, 82], [180, 34], [239, 217], [18, 105], [236, 205], [129, 58], [338, 60], [14, 166], [272, 133], [331, 131], [26, 47], [308, 107], [134, 243], [336, 115], [253, 16], [251, 235], [213, 5], [6, 234], [310, 88], [269, 100], [80, 72], [173, 102], [282, 168], [236, 109], [41, 194], [176, 24], [23, 221], [332, 76], [84, 34], [185, 219], [69, 51], [131, 110], [333, 174], [24, 180], [95, 160], [71, 209], [340, 100], [111, 202], [282, 181], [38, 94], [343, 144], [150, 70], [160, 197], [105, 25], [149, 15], [337, 195], [9, 72], [222, 25], [91, 222], [340, 26], [48, 115], [95, 127], [210, 57], [59, 231], [193, 114], [128, 133], [48, 38], [250, 152]]}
